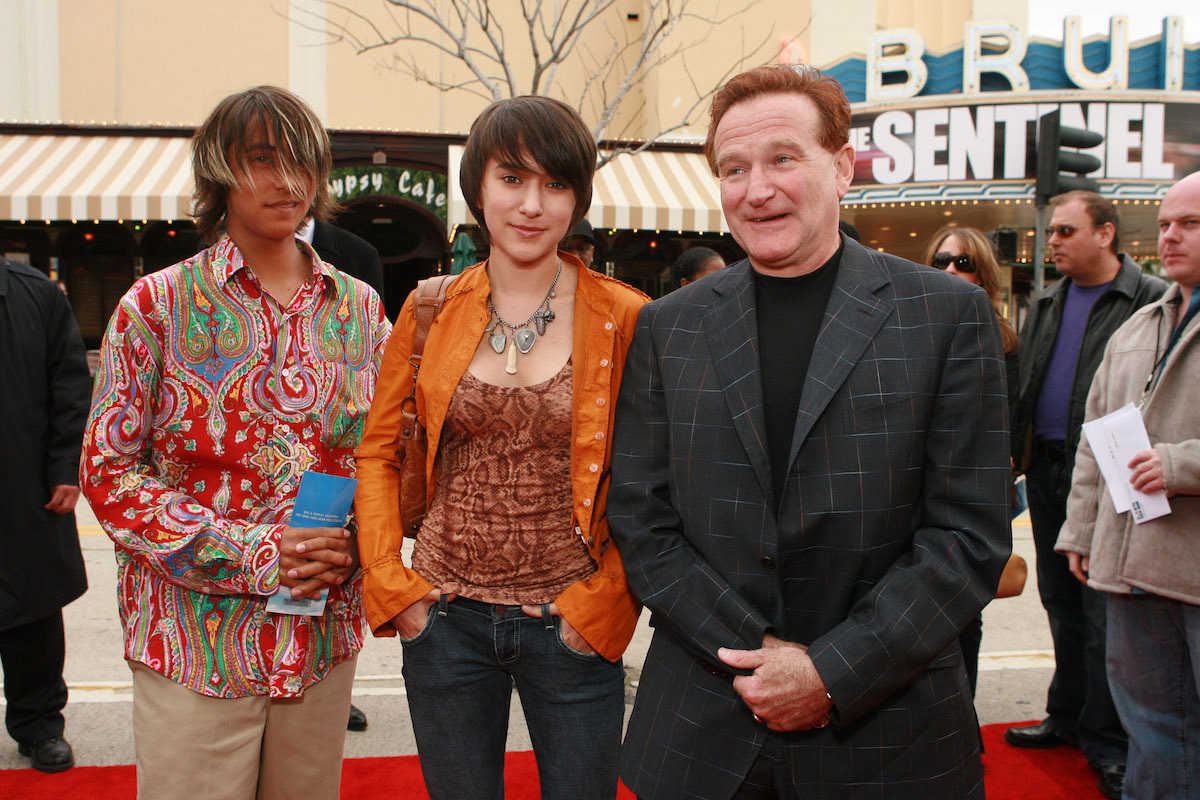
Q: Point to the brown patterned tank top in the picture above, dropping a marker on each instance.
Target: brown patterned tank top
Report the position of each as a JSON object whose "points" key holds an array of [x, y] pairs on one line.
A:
{"points": [[500, 529]]}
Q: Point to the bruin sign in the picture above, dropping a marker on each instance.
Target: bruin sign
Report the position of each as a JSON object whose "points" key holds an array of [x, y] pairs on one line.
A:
{"points": [[896, 70]]}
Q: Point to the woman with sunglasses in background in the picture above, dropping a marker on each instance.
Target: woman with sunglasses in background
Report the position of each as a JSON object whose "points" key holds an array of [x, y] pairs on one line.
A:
{"points": [[968, 253]]}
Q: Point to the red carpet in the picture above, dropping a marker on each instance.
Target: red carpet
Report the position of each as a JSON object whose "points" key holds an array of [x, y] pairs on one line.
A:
{"points": [[1010, 774]]}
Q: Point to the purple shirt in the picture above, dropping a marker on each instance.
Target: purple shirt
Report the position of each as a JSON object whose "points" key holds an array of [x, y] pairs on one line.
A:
{"points": [[1054, 398]]}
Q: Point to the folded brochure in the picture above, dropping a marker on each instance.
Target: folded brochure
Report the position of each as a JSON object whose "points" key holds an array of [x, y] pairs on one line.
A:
{"points": [[323, 501]]}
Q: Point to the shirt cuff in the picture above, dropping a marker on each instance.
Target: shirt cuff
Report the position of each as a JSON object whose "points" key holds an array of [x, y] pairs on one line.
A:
{"points": [[261, 565]]}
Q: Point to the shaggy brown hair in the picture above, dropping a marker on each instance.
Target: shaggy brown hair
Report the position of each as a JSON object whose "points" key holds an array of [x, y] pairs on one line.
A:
{"points": [[519, 130], [220, 147]]}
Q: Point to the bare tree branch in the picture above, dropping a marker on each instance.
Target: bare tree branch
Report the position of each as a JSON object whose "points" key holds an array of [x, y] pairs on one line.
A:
{"points": [[620, 60]]}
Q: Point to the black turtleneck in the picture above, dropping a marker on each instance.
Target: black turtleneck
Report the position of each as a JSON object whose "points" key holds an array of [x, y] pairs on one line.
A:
{"points": [[790, 311]]}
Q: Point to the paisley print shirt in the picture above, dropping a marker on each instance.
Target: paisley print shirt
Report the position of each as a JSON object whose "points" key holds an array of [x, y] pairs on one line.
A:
{"points": [[210, 402]]}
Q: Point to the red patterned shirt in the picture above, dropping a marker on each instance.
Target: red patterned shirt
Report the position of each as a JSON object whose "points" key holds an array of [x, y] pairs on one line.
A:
{"points": [[211, 401]]}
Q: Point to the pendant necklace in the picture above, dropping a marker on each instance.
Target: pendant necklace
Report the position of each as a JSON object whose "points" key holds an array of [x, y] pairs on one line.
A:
{"points": [[523, 338]]}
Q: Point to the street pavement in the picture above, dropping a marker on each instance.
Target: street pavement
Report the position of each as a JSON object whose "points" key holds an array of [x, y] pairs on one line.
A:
{"points": [[1015, 667]]}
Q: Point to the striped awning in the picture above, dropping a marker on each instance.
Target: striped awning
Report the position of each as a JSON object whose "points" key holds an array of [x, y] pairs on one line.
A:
{"points": [[65, 177], [651, 190]]}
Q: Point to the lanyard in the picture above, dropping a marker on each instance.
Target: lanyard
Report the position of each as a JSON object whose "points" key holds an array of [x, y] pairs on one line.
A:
{"points": [[1160, 360]]}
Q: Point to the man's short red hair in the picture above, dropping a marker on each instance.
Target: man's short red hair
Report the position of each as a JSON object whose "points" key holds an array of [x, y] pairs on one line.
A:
{"points": [[824, 91]]}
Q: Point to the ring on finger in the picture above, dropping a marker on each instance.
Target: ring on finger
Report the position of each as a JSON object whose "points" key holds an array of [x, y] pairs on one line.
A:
{"points": [[822, 722]]}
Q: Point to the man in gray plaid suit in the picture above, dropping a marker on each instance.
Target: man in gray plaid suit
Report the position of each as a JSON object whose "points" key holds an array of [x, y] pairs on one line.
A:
{"points": [[809, 484]]}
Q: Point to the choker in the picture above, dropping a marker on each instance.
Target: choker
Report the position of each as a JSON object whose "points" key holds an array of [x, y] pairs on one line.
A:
{"points": [[523, 337]]}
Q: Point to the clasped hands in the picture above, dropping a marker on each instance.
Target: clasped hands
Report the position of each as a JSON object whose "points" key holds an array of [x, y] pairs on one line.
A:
{"points": [[785, 692], [312, 558]]}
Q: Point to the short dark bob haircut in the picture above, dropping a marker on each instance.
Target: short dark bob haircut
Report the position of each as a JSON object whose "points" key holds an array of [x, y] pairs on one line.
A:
{"points": [[530, 133], [220, 147], [826, 94]]}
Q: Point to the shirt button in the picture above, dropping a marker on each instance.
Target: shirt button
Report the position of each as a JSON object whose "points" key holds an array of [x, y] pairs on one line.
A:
{"points": [[600, 435], [608, 326], [604, 362], [599, 401], [594, 468], [587, 502], [768, 562]]}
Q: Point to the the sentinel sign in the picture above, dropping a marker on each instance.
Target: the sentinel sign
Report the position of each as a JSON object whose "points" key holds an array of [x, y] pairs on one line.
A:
{"points": [[1142, 141]]}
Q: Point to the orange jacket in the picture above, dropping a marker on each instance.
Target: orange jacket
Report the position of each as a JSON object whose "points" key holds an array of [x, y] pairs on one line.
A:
{"points": [[601, 608]]}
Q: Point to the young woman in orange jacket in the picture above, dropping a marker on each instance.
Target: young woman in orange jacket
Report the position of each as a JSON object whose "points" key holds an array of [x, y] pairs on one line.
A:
{"points": [[513, 577]]}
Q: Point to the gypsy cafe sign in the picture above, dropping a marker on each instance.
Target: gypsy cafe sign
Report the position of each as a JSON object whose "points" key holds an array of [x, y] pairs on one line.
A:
{"points": [[418, 185]]}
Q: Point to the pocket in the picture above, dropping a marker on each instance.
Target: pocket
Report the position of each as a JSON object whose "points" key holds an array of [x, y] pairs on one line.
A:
{"points": [[424, 632], [571, 651]]}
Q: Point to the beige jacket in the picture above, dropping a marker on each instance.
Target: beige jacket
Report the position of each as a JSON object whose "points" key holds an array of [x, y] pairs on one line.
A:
{"points": [[1159, 556]]}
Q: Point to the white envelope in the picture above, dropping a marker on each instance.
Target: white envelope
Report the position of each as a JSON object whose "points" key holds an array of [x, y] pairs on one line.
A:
{"points": [[1115, 439]]}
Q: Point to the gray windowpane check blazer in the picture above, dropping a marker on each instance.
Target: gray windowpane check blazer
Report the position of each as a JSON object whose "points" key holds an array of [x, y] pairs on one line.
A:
{"points": [[891, 534]]}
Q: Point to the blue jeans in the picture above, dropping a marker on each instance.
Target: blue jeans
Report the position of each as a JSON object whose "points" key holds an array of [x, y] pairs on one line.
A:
{"points": [[1079, 704], [1153, 651], [459, 673]]}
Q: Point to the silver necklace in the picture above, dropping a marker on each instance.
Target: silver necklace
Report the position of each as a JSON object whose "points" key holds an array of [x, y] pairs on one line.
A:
{"points": [[523, 337]]}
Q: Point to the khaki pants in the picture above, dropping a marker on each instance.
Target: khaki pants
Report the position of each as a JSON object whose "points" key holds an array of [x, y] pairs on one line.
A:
{"points": [[192, 746]]}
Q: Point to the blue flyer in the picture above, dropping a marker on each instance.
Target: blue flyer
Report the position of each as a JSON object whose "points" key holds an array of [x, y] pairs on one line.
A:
{"points": [[323, 501], [1020, 498]]}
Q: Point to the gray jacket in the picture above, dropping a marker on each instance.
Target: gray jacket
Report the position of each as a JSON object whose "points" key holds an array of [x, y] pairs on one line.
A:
{"points": [[875, 555], [1160, 555], [1130, 290]]}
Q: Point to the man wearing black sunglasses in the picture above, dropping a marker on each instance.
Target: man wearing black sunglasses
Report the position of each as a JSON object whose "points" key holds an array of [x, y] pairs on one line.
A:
{"points": [[1062, 343]]}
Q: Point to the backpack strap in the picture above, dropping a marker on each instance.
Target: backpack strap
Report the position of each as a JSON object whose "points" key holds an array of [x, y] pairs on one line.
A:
{"points": [[430, 295], [428, 299]]}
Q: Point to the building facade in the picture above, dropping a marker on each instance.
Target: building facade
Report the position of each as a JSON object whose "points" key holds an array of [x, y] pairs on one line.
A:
{"points": [[94, 123]]}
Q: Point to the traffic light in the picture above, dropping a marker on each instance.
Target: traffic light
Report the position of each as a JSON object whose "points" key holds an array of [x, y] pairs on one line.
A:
{"points": [[1006, 245], [1053, 161]]}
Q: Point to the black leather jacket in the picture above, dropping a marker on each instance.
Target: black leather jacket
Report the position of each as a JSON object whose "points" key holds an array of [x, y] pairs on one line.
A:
{"points": [[1130, 290]]}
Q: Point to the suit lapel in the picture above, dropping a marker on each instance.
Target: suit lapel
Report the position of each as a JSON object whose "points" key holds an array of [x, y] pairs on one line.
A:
{"points": [[731, 329], [853, 318], [324, 245]]}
